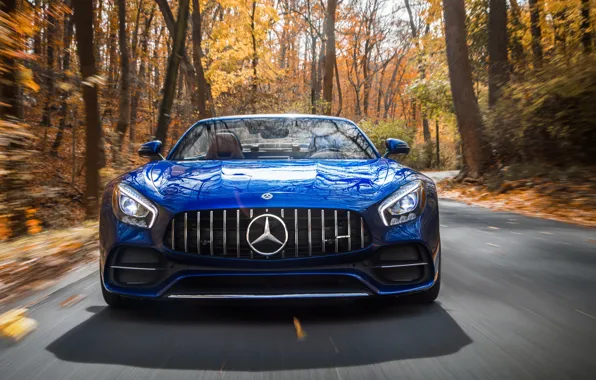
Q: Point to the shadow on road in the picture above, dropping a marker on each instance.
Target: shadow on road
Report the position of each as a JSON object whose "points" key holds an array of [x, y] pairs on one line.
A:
{"points": [[261, 337]]}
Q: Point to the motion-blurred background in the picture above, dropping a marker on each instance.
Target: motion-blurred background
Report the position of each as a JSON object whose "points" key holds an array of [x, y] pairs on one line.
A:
{"points": [[504, 90]]}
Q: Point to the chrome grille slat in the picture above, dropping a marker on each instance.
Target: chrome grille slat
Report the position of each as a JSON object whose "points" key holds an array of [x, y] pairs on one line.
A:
{"points": [[296, 232], [199, 232], [211, 232], [309, 234], [336, 231], [173, 236], [185, 232], [361, 232], [238, 233], [283, 251], [225, 237], [313, 232], [323, 231], [349, 233]]}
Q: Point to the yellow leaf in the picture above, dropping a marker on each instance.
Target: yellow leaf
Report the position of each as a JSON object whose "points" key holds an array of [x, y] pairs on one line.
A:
{"points": [[299, 331]]}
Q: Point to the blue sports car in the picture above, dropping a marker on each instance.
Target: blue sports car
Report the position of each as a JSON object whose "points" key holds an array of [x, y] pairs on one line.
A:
{"points": [[270, 206]]}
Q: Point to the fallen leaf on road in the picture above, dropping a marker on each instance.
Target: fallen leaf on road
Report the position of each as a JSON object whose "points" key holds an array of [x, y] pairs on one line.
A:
{"points": [[299, 332], [14, 324], [72, 300]]}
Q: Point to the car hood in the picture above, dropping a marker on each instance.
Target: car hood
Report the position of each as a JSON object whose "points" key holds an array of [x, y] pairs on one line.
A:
{"points": [[353, 184]]}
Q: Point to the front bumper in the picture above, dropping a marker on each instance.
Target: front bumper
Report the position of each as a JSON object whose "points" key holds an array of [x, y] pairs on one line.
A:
{"points": [[155, 271], [391, 270]]}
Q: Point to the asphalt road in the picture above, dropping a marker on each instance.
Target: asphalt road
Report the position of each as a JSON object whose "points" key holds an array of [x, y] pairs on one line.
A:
{"points": [[518, 302]]}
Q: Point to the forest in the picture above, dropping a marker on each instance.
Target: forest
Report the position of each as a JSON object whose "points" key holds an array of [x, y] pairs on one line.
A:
{"points": [[485, 86]]}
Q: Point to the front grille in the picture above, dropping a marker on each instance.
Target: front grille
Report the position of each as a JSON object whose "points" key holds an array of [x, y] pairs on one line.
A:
{"points": [[310, 232]]}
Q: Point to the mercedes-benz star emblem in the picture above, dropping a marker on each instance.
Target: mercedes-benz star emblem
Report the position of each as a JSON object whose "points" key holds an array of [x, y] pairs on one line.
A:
{"points": [[267, 196], [274, 236]]}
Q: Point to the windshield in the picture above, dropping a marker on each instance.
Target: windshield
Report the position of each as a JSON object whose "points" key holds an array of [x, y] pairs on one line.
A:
{"points": [[274, 138]]}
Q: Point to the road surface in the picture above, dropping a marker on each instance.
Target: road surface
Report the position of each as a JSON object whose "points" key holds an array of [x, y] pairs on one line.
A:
{"points": [[518, 302]]}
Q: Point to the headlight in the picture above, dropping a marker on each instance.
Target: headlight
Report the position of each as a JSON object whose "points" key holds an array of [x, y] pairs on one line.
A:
{"points": [[403, 205], [132, 208]]}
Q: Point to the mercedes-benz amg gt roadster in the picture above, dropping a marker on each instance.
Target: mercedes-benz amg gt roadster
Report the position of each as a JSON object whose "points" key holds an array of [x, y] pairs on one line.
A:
{"points": [[270, 206]]}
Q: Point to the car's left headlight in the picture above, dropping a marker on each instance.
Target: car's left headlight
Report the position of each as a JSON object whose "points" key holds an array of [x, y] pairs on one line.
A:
{"points": [[403, 205], [133, 208]]}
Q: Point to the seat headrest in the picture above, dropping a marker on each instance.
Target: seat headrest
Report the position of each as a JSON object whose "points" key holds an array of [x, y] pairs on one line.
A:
{"points": [[224, 145]]}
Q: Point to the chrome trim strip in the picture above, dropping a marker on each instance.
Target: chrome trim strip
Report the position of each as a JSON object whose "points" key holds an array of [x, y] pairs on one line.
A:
{"points": [[269, 296], [309, 235], [336, 231], [133, 268], [323, 231], [173, 234], [400, 265], [198, 232], [211, 232], [361, 232], [225, 235], [185, 232], [296, 232], [349, 233], [238, 233]]}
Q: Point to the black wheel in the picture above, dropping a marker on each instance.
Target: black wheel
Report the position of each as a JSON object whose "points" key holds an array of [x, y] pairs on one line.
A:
{"points": [[429, 295], [113, 300]]}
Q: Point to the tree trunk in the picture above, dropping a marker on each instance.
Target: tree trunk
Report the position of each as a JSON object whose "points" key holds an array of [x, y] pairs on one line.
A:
{"points": [[15, 138], [585, 27], [67, 38], [186, 66], [135, 34], [172, 72], [438, 159], [421, 71], [313, 74], [320, 68], [380, 92], [98, 36], [140, 81], [197, 51], [124, 110], [497, 50], [112, 41], [366, 79], [339, 94], [46, 119], [536, 33], [83, 14], [468, 116], [560, 30], [517, 47], [38, 24], [329, 56], [255, 56]]}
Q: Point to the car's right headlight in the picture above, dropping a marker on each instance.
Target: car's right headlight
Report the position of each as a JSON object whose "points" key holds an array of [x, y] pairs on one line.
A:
{"points": [[133, 208], [403, 205]]}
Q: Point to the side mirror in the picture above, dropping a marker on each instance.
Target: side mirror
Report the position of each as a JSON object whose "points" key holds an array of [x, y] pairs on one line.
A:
{"points": [[151, 149], [395, 146]]}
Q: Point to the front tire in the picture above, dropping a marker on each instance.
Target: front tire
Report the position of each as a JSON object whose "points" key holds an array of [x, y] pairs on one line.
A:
{"points": [[114, 301], [429, 295]]}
